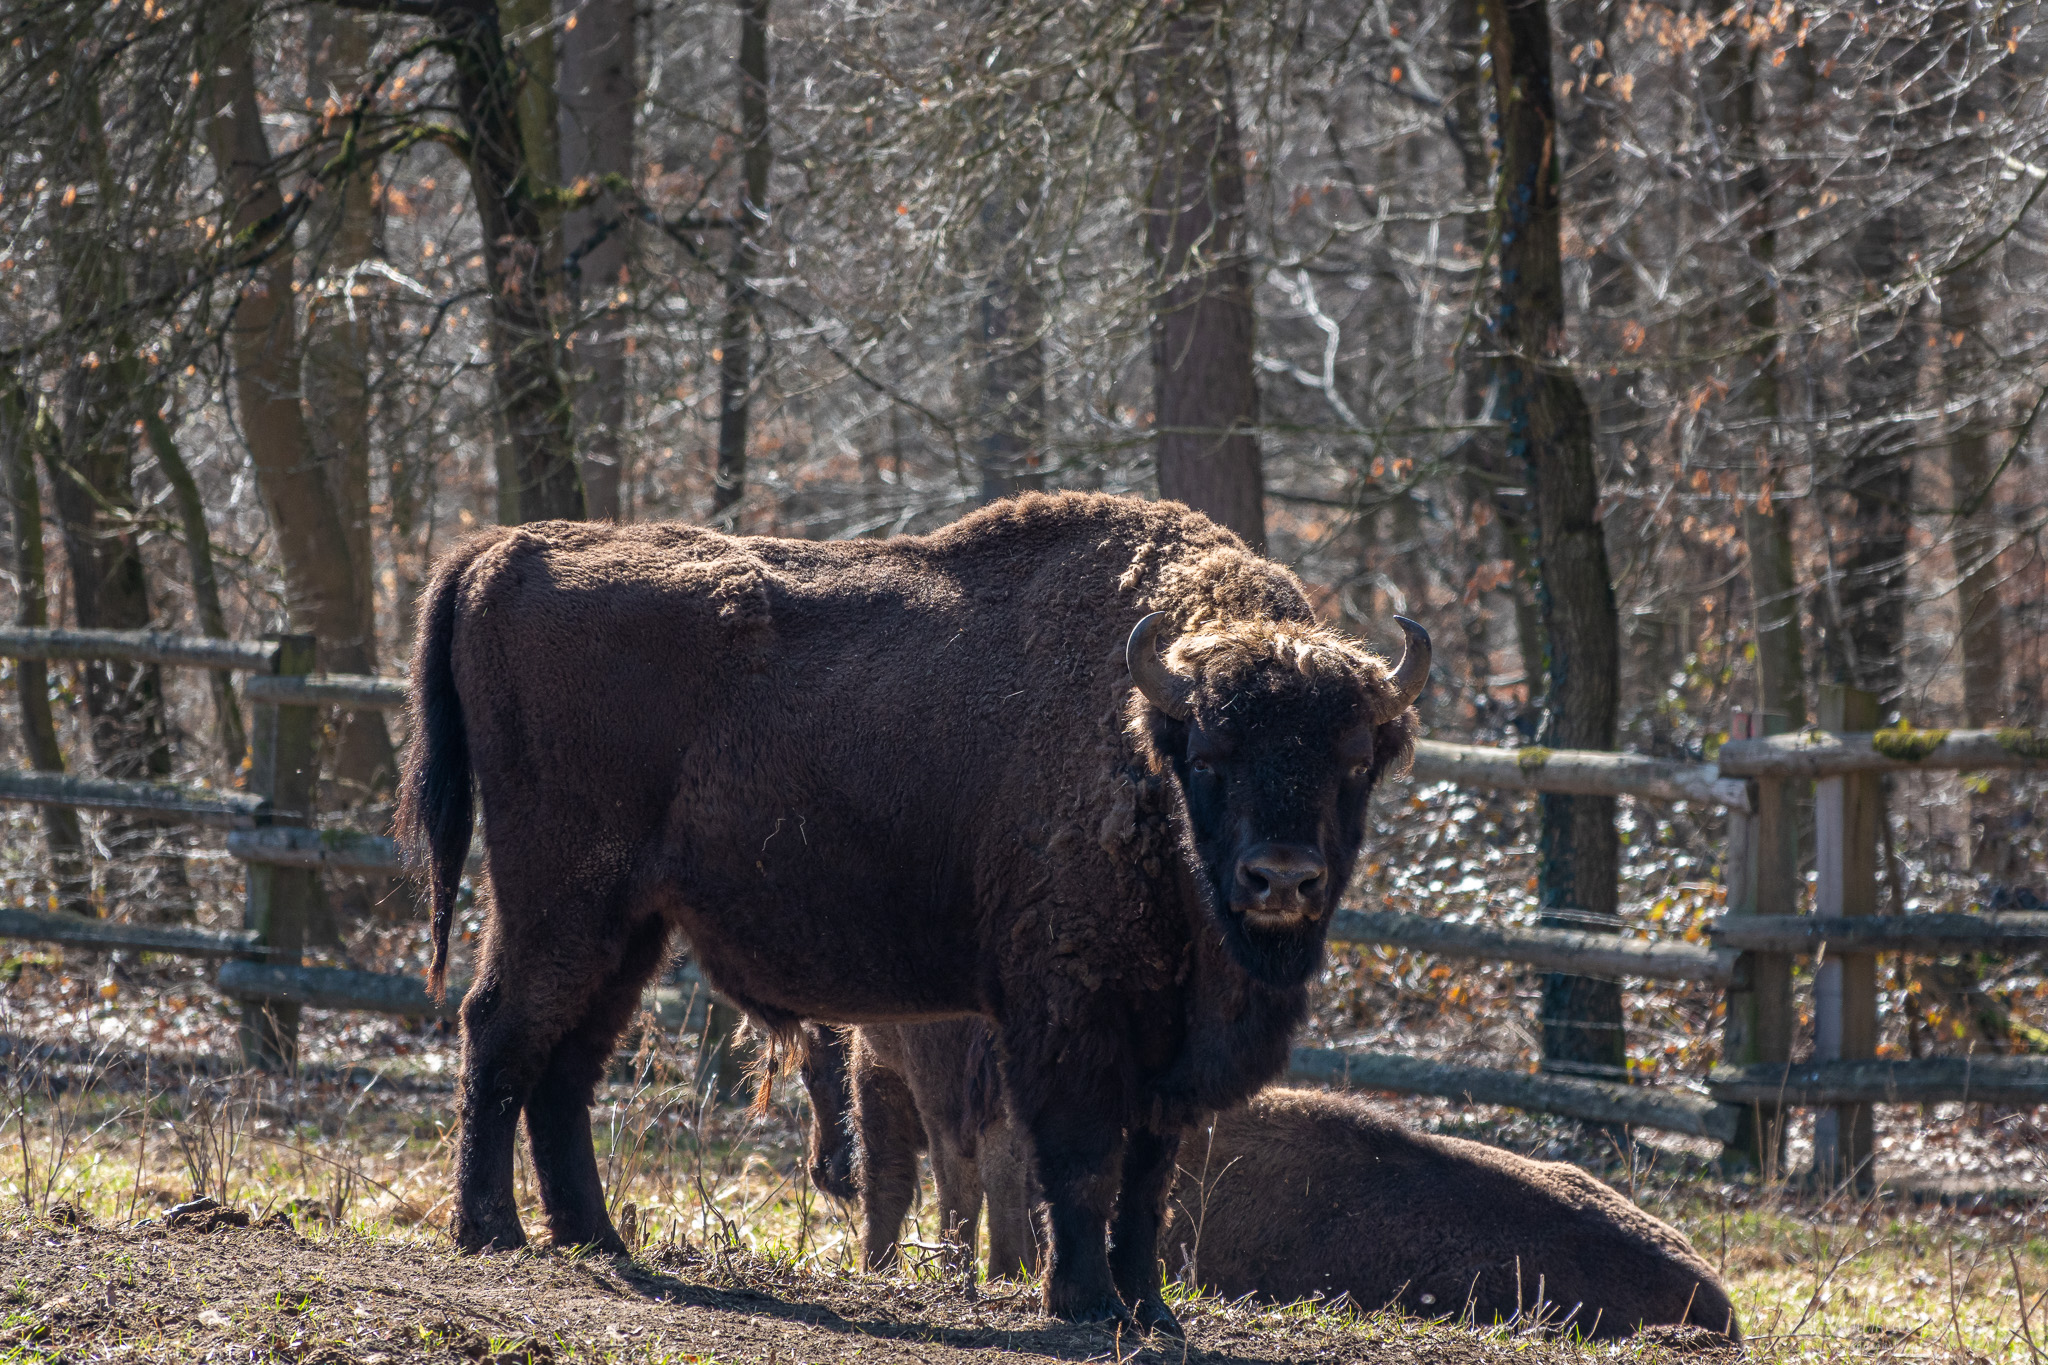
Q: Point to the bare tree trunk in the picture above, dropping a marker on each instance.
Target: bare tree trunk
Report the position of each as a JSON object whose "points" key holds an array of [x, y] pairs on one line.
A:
{"points": [[1550, 430], [1205, 393], [90, 458], [321, 582], [1974, 527], [538, 476], [1006, 341], [1735, 87], [1866, 635], [336, 378], [736, 335], [598, 91], [1487, 479], [1974, 541], [20, 432], [227, 712]]}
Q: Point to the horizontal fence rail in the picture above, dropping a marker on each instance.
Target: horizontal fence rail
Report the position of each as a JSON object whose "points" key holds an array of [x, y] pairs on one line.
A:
{"points": [[1566, 950], [681, 1006], [1575, 772], [1673, 1111], [1816, 754], [353, 691], [194, 805], [293, 846], [1927, 1080], [76, 931], [1928, 935], [138, 646]]}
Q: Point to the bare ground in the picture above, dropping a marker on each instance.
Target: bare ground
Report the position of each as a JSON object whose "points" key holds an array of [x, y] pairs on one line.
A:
{"points": [[266, 1293]]}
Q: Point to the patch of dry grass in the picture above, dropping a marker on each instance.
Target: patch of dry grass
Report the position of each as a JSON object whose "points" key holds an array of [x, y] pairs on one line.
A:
{"points": [[100, 1141]]}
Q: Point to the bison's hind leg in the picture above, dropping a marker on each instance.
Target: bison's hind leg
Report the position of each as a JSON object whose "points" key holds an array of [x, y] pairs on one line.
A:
{"points": [[544, 1002], [558, 1112]]}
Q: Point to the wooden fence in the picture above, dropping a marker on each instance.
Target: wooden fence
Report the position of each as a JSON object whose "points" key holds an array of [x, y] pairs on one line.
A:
{"points": [[1758, 779]]}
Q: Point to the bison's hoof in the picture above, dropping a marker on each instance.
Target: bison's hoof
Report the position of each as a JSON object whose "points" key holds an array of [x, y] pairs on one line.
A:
{"points": [[1153, 1315], [476, 1238], [1107, 1309]]}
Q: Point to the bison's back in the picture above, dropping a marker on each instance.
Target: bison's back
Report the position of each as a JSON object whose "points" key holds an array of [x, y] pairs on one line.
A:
{"points": [[1309, 1194]]}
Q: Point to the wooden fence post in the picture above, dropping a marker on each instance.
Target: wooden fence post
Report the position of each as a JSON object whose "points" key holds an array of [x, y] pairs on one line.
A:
{"points": [[1762, 872], [283, 769], [1845, 817]]}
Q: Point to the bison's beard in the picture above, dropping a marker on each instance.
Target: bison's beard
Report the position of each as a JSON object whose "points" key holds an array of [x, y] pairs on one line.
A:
{"points": [[1277, 958]]}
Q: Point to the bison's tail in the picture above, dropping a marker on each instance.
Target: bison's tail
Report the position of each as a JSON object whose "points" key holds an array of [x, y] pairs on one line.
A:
{"points": [[436, 806]]}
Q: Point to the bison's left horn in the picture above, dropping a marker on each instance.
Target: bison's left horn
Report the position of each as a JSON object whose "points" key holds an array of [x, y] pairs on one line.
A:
{"points": [[1411, 675], [1161, 686]]}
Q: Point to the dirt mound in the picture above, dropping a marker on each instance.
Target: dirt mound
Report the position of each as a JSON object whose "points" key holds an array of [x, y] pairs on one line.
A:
{"points": [[265, 1293]]}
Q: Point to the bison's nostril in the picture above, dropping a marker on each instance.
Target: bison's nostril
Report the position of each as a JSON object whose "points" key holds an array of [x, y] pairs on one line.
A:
{"points": [[1280, 872]]}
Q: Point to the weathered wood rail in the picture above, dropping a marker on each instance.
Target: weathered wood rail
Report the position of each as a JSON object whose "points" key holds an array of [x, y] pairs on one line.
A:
{"points": [[1817, 754], [1930, 1080], [270, 828], [1577, 773], [1566, 950], [1676, 1111], [1927, 934]]}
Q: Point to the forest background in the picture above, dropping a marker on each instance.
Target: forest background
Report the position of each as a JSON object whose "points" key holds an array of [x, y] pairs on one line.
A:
{"points": [[1662, 359]]}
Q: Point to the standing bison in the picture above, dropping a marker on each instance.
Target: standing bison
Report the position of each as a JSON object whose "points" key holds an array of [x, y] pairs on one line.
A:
{"points": [[875, 781]]}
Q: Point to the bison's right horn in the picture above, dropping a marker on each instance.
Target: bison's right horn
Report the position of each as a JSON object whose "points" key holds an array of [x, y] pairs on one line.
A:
{"points": [[1161, 686], [1411, 675]]}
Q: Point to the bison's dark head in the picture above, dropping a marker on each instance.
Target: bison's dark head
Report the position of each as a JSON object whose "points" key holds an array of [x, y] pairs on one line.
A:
{"points": [[1275, 733]]}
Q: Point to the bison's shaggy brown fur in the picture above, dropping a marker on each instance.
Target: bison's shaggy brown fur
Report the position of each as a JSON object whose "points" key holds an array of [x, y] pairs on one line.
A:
{"points": [[1297, 1195], [875, 781]]}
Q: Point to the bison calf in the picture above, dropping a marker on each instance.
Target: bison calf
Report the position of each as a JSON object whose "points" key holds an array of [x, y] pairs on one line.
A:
{"points": [[1299, 1194]]}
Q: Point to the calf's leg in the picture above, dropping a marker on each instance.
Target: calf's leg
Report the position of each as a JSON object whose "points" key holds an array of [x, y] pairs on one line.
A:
{"points": [[558, 1110], [959, 1182], [1134, 1235], [1012, 1202], [891, 1135]]}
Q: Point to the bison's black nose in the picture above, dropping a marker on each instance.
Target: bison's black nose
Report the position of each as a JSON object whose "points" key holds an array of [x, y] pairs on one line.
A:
{"points": [[1278, 880]]}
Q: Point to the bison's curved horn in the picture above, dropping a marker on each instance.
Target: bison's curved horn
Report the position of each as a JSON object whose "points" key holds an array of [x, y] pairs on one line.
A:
{"points": [[1161, 686], [1411, 675]]}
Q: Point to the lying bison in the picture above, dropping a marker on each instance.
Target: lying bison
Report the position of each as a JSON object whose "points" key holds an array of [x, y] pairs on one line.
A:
{"points": [[895, 780], [1297, 1195]]}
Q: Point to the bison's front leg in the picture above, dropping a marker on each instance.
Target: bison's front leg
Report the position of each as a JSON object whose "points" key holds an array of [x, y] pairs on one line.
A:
{"points": [[1134, 1236], [1077, 1145]]}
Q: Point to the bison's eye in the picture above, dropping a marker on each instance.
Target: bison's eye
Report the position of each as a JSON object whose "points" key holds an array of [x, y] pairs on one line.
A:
{"points": [[1360, 770], [1202, 767]]}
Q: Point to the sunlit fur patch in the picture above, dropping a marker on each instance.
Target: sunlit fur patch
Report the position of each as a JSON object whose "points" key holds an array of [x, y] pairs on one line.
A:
{"points": [[1228, 658], [1318, 654]]}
